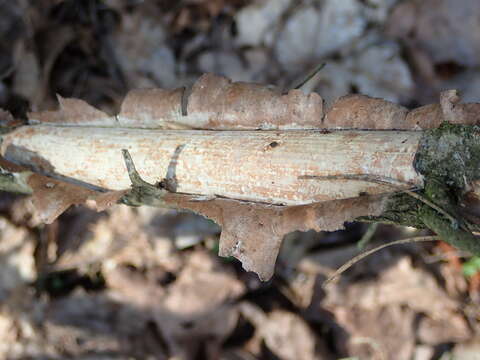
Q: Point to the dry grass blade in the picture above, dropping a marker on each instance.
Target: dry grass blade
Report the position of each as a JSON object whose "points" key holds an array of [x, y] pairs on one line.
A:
{"points": [[310, 76], [363, 255]]}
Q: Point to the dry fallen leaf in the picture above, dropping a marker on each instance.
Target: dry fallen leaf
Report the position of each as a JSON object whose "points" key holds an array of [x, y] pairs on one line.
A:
{"points": [[372, 334], [399, 291], [215, 102], [218, 103], [360, 111], [197, 305], [17, 265], [253, 232], [416, 22], [285, 334], [400, 284], [73, 111]]}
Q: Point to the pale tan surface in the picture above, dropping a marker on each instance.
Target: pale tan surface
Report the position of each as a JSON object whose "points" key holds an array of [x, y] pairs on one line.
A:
{"points": [[249, 165]]}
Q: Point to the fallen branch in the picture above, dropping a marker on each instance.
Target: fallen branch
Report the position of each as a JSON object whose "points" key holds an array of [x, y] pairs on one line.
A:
{"points": [[257, 166], [189, 154]]}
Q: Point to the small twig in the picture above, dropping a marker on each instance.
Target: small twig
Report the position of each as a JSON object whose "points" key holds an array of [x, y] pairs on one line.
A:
{"points": [[314, 72], [170, 181], [184, 102], [135, 178], [384, 180], [142, 193], [363, 255], [372, 228]]}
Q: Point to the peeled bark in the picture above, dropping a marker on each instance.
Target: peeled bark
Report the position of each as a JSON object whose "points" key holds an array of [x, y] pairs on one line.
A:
{"points": [[257, 166]]}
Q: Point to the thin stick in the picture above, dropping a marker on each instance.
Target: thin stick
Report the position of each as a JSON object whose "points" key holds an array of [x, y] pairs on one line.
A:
{"points": [[360, 177], [314, 72], [135, 178], [363, 242], [363, 255]]}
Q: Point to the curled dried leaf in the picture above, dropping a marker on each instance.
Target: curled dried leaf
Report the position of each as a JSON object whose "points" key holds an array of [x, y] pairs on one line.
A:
{"points": [[152, 108], [253, 232], [73, 112], [51, 197], [216, 102], [363, 112]]}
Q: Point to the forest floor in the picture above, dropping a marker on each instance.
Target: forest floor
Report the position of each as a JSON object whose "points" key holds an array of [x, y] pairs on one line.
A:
{"points": [[146, 283]]}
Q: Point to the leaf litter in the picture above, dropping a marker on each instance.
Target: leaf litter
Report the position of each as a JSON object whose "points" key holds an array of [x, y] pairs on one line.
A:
{"points": [[114, 320]]}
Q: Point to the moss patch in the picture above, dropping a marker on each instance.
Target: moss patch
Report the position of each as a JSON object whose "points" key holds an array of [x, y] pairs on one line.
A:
{"points": [[15, 182], [449, 160], [450, 154], [401, 209]]}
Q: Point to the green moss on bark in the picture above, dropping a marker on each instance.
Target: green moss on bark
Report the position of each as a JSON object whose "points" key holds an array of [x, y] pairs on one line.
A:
{"points": [[449, 160], [450, 154], [15, 182]]}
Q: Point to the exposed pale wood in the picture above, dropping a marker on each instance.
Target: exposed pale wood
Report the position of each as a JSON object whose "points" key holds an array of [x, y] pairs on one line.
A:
{"points": [[262, 166]]}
